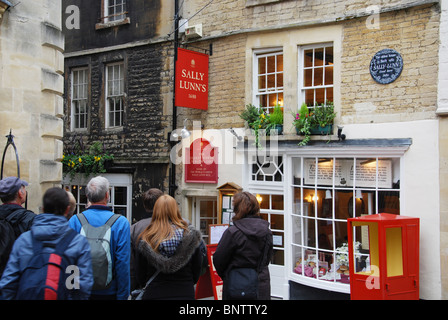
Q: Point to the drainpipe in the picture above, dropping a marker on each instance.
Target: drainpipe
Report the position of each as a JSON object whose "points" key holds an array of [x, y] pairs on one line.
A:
{"points": [[172, 183]]}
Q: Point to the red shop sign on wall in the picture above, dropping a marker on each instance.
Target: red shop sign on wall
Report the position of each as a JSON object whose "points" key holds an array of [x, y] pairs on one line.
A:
{"points": [[201, 162], [191, 79]]}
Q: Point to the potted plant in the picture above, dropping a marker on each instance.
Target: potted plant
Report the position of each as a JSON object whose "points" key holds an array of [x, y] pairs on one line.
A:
{"points": [[303, 122], [92, 163], [256, 120], [276, 120], [319, 121], [324, 116]]}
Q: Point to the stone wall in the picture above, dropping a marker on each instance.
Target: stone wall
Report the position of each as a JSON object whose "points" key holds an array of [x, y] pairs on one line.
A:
{"points": [[31, 89], [141, 146], [414, 33]]}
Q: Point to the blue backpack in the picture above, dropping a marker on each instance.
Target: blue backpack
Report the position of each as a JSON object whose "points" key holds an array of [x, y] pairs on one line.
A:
{"points": [[45, 276]]}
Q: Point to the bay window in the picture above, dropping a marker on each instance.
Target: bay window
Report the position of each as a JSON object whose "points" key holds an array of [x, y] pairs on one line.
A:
{"points": [[325, 192]]}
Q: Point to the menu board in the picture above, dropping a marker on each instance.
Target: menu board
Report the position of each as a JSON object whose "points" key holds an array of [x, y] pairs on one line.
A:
{"points": [[344, 173], [216, 231]]}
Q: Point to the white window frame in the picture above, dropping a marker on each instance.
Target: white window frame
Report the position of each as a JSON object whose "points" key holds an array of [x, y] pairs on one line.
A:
{"points": [[257, 92], [301, 73], [79, 95], [117, 95], [114, 16]]}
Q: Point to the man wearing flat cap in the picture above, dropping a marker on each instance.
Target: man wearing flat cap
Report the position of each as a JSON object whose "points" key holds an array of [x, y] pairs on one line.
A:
{"points": [[13, 196]]}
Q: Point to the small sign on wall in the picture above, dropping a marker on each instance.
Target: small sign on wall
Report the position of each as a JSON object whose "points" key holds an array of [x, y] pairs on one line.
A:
{"points": [[386, 66], [201, 162]]}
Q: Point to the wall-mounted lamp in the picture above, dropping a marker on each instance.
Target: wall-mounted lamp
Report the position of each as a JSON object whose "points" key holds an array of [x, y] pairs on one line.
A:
{"points": [[341, 136], [184, 133], [358, 194], [235, 134], [259, 198], [328, 194]]}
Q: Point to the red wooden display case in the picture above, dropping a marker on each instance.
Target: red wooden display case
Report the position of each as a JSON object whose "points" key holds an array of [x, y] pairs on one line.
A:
{"points": [[386, 264]]}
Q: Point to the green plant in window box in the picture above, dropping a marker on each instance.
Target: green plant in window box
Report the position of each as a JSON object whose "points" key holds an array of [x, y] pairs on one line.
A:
{"points": [[92, 163], [256, 120], [319, 121], [324, 116], [276, 120], [303, 122]]}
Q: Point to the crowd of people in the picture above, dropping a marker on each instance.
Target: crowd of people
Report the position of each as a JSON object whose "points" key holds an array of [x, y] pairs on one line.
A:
{"points": [[98, 255]]}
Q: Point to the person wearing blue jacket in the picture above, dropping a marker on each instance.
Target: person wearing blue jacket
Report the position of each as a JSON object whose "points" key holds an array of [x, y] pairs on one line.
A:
{"points": [[49, 227], [98, 213]]}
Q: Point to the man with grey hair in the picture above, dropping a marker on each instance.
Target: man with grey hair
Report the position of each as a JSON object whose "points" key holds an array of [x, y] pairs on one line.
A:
{"points": [[99, 215]]}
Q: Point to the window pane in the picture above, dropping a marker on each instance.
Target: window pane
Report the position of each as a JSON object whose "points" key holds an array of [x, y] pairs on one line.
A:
{"points": [[308, 77], [325, 238], [277, 221], [309, 97], [262, 83], [271, 64], [329, 59], [318, 76], [320, 96], [319, 57], [280, 63], [328, 76], [271, 81], [262, 65], [120, 195], [308, 56], [280, 80], [277, 202]]}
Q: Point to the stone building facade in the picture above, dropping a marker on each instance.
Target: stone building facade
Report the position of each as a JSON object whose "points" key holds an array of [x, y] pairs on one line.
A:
{"points": [[401, 123], [129, 56], [31, 89]]}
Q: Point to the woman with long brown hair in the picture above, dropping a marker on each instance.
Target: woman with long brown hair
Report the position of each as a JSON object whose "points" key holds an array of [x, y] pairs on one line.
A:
{"points": [[246, 244], [171, 247]]}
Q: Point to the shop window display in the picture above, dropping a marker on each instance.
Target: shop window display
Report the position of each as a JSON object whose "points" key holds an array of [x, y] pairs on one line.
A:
{"points": [[326, 192]]}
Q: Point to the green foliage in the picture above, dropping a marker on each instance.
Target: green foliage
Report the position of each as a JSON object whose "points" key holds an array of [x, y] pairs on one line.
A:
{"points": [[324, 115], [91, 163], [276, 117], [305, 121]]}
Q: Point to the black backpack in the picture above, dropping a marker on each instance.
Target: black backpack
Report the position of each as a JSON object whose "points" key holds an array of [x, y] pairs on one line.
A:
{"points": [[242, 283], [7, 238], [45, 276]]}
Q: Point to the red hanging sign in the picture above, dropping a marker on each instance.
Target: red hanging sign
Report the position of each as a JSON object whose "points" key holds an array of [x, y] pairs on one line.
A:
{"points": [[201, 162], [191, 79]]}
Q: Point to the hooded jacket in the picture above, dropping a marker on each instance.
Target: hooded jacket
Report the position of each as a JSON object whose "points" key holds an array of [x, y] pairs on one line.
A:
{"points": [[49, 228], [178, 273], [243, 246]]}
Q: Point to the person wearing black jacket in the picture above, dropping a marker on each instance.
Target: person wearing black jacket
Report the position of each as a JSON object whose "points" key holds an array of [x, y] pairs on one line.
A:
{"points": [[139, 273], [171, 247], [13, 195], [243, 245]]}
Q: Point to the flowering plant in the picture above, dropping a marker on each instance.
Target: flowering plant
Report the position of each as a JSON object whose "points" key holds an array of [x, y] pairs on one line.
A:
{"points": [[305, 121], [342, 253], [256, 119], [90, 163]]}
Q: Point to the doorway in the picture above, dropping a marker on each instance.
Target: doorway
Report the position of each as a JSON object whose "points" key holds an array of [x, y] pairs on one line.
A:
{"points": [[205, 213]]}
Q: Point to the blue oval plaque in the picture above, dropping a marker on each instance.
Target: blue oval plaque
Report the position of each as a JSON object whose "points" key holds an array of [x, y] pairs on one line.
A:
{"points": [[386, 66]]}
